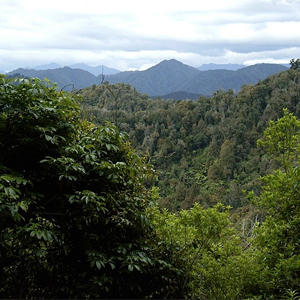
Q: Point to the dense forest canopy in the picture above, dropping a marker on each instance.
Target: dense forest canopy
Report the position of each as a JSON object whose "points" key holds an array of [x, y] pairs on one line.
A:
{"points": [[204, 151], [72, 202], [84, 215]]}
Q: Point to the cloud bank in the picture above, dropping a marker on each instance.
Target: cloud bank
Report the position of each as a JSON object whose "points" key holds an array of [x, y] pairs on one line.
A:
{"points": [[136, 35]]}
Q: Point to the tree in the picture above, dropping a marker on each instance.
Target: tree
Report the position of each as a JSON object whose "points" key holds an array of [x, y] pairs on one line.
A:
{"points": [[206, 251], [277, 239], [295, 64], [281, 140], [72, 201]]}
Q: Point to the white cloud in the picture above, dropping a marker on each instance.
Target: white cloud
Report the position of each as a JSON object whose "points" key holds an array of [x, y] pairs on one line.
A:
{"points": [[137, 34]]}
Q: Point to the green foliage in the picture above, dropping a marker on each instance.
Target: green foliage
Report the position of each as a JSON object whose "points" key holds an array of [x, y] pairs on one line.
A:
{"points": [[213, 136], [295, 64], [277, 239], [72, 202], [207, 252], [281, 139], [205, 151], [77, 220]]}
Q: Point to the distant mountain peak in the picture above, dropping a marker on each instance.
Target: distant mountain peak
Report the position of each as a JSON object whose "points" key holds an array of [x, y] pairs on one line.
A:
{"points": [[175, 65], [172, 61], [50, 66], [97, 70]]}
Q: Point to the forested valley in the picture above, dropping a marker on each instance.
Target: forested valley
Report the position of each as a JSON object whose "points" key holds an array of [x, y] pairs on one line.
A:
{"points": [[108, 193]]}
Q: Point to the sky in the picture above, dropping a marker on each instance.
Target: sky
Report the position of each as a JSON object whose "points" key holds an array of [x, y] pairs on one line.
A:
{"points": [[137, 34]]}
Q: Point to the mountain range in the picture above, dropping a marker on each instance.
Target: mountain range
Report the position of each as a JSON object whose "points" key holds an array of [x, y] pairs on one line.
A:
{"points": [[169, 77], [97, 70]]}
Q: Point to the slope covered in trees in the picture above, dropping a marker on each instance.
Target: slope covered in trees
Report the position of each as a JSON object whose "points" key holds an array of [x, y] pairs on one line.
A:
{"points": [[66, 78], [203, 150], [78, 208], [72, 203]]}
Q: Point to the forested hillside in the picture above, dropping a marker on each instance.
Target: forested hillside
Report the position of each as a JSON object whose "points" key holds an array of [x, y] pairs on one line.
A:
{"points": [[204, 151], [83, 214], [66, 78]]}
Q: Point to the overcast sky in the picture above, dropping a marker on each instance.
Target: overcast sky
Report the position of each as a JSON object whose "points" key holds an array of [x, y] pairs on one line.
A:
{"points": [[136, 34]]}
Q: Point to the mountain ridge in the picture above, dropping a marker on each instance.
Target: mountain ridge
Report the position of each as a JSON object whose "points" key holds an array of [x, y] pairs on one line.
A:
{"points": [[167, 77], [171, 76], [213, 66], [66, 77]]}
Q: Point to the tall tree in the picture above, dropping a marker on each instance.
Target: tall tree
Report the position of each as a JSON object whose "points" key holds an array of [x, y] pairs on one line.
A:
{"points": [[294, 64], [277, 239], [72, 202]]}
